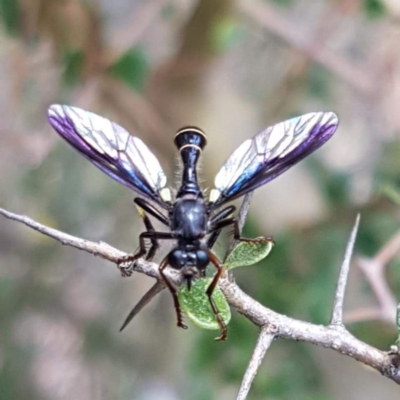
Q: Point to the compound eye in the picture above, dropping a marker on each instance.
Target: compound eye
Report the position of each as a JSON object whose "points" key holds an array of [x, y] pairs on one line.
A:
{"points": [[177, 258], [202, 259]]}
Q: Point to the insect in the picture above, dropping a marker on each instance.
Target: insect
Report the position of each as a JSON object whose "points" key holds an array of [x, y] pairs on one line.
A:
{"points": [[193, 221]]}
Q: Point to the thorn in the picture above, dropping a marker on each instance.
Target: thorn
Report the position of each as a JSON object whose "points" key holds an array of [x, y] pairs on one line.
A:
{"points": [[337, 310]]}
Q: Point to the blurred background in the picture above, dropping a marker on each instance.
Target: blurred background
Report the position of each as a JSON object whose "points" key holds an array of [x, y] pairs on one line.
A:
{"points": [[232, 68]]}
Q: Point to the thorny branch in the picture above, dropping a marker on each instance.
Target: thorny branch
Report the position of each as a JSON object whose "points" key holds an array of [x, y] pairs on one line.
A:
{"points": [[332, 336], [100, 249]]}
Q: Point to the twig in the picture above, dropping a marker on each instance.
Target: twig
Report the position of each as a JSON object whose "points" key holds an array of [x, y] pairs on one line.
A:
{"points": [[374, 274], [337, 311], [147, 297], [130, 34], [276, 23], [244, 210], [362, 315], [389, 250], [288, 328], [264, 341], [374, 271], [100, 249]]}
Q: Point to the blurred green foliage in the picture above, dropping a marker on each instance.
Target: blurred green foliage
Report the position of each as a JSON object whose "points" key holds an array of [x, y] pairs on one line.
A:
{"points": [[225, 34], [374, 8], [283, 3], [318, 82], [398, 326], [132, 68], [9, 14], [73, 63]]}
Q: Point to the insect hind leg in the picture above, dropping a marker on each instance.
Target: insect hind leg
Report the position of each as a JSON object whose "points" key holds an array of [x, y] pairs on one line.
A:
{"points": [[236, 231], [173, 291], [209, 293]]}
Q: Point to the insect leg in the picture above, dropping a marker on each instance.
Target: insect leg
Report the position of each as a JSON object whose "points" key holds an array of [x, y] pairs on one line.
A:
{"points": [[220, 269], [213, 238], [224, 213], [236, 231], [131, 258], [215, 220], [172, 289], [149, 228], [143, 205]]}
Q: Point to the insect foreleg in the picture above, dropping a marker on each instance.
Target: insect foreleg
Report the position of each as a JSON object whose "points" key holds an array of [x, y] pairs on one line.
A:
{"points": [[125, 264]]}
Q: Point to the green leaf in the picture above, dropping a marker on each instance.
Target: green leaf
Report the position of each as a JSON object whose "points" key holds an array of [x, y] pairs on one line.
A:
{"points": [[196, 306], [73, 63], [319, 82], [132, 68], [283, 3], [9, 14], [391, 192], [225, 34], [374, 8], [249, 253]]}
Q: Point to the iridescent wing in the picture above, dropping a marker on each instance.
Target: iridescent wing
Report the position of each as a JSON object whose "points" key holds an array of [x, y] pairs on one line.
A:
{"points": [[110, 148], [270, 153]]}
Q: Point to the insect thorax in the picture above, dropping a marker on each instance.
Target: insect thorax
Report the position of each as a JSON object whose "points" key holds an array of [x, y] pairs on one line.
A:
{"points": [[189, 219]]}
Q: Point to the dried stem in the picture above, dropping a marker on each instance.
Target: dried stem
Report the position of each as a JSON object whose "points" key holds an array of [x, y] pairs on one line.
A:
{"points": [[334, 337], [388, 251], [100, 249], [96, 248], [337, 311], [374, 270], [264, 341], [362, 315], [266, 16], [139, 22], [244, 210], [375, 275]]}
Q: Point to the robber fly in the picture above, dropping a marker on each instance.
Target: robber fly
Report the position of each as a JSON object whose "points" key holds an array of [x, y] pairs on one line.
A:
{"points": [[194, 222]]}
